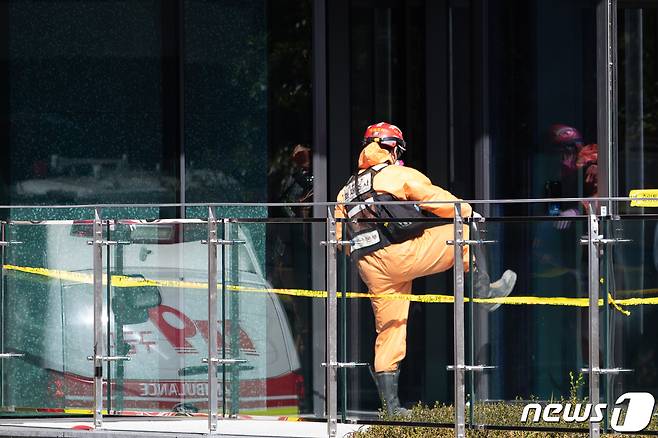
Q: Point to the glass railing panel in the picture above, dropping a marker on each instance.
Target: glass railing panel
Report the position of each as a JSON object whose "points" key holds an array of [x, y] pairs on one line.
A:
{"points": [[251, 211], [534, 343], [628, 324], [47, 316], [45, 213], [158, 317], [274, 318], [532, 346], [397, 314]]}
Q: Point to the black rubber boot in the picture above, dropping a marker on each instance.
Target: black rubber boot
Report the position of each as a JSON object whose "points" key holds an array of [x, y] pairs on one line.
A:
{"points": [[387, 386], [498, 289], [482, 285]]}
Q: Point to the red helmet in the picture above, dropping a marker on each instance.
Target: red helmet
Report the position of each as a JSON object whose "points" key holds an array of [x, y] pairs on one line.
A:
{"points": [[565, 135], [386, 135]]}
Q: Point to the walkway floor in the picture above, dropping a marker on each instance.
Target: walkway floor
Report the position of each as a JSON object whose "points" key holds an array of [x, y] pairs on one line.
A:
{"points": [[167, 428]]}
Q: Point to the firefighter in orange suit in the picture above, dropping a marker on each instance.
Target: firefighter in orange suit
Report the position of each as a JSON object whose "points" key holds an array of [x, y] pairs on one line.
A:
{"points": [[389, 258]]}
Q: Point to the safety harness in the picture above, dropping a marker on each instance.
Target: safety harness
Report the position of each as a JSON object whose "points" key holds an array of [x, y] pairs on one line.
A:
{"points": [[366, 229]]}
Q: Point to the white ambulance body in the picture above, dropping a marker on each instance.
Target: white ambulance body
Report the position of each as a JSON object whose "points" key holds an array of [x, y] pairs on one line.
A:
{"points": [[166, 347]]}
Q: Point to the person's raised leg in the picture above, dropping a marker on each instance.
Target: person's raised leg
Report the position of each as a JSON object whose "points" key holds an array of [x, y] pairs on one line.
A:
{"points": [[432, 254]]}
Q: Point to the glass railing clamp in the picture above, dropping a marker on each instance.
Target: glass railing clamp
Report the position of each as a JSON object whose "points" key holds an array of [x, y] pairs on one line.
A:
{"points": [[612, 371], [109, 242], [471, 242], [108, 358], [346, 364], [477, 368], [219, 361], [335, 242], [601, 241], [10, 355], [224, 242]]}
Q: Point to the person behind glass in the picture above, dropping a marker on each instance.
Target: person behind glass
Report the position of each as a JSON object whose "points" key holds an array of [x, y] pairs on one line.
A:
{"points": [[297, 182], [389, 255], [575, 156]]}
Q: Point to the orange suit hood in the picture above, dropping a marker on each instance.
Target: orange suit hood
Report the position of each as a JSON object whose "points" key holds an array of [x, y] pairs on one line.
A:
{"points": [[405, 184], [373, 155]]}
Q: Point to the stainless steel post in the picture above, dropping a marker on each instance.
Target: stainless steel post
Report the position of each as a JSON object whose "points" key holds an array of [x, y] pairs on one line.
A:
{"points": [[460, 360], [593, 264], [99, 341], [212, 320], [331, 347], [231, 231], [3, 238]]}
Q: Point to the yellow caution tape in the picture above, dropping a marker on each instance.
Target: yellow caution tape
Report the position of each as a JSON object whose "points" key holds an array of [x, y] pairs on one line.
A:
{"points": [[644, 193], [617, 305], [127, 281]]}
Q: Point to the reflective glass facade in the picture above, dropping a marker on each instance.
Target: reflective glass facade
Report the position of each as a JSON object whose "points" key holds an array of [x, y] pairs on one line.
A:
{"points": [[164, 102], [256, 101]]}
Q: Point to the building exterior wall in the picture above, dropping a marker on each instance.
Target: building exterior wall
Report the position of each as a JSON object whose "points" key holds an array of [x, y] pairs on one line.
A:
{"points": [[142, 101]]}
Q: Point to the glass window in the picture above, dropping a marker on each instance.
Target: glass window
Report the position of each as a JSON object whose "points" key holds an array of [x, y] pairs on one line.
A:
{"points": [[635, 265], [387, 73], [540, 69], [542, 91], [387, 69], [247, 100], [638, 97], [85, 103], [94, 107], [225, 101], [248, 129]]}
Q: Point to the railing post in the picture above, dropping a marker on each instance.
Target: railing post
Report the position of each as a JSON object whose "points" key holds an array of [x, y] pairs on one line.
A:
{"points": [[212, 320], [593, 285], [231, 232], [3, 238], [459, 356], [331, 347], [99, 342]]}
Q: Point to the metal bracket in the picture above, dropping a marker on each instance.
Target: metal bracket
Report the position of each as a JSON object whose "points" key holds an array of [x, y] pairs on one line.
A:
{"points": [[335, 242], [10, 355], [108, 358], [219, 361], [470, 367], [345, 364], [601, 241], [224, 242], [109, 242], [613, 371], [471, 242]]}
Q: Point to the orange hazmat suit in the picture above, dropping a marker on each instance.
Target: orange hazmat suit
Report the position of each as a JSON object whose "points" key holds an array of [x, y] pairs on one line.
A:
{"points": [[390, 270]]}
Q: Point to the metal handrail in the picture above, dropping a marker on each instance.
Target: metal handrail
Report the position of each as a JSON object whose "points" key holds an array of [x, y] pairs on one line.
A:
{"points": [[437, 220], [331, 203]]}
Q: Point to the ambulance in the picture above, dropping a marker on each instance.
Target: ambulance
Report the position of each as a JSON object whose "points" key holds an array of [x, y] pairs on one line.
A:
{"points": [[157, 318]]}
